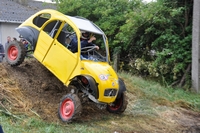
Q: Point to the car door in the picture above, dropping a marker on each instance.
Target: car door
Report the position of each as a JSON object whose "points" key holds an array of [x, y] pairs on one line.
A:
{"points": [[59, 59]]}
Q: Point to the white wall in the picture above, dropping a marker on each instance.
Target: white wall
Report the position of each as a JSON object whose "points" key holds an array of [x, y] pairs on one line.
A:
{"points": [[8, 29]]}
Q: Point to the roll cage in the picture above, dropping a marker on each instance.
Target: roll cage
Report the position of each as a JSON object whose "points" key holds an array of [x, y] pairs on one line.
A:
{"points": [[52, 24]]}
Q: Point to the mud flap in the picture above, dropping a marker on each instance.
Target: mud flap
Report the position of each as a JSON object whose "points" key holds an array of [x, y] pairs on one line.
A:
{"points": [[122, 88]]}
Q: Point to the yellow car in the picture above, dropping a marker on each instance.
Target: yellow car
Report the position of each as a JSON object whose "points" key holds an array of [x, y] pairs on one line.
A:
{"points": [[86, 72]]}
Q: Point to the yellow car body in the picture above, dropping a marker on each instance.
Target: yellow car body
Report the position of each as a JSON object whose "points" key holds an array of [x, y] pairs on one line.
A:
{"points": [[49, 32], [66, 65]]}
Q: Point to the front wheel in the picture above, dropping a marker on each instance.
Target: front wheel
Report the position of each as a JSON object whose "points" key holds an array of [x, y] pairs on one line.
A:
{"points": [[70, 107], [119, 105], [15, 53]]}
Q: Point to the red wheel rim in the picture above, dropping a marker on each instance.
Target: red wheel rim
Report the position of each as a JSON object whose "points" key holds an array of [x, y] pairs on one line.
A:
{"points": [[12, 53], [67, 108], [117, 104]]}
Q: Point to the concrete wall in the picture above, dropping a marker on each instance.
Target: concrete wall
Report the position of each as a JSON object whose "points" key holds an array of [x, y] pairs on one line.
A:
{"points": [[8, 29]]}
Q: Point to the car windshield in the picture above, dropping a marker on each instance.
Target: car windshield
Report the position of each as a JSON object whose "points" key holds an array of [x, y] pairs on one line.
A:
{"points": [[90, 52]]}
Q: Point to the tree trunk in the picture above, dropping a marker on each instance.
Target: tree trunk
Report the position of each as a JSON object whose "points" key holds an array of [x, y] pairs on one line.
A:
{"points": [[116, 62], [184, 76]]}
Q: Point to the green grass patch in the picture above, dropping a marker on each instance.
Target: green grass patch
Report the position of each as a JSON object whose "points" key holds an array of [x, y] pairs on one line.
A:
{"points": [[152, 90]]}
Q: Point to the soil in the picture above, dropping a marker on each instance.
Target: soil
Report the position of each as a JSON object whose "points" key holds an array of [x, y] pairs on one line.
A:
{"points": [[33, 90]]}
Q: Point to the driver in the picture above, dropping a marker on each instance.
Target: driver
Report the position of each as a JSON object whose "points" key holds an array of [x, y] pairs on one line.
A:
{"points": [[85, 39]]}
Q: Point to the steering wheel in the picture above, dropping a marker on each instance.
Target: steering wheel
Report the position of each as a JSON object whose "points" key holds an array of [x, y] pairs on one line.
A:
{"points": [[87, 49]]}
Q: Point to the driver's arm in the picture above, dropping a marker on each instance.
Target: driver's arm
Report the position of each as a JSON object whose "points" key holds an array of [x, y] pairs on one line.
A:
{"points": [[85, 43], [91, 39]]}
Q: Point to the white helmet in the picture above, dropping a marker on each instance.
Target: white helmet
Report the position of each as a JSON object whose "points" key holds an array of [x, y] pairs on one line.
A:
{"points": [[85, 34]]}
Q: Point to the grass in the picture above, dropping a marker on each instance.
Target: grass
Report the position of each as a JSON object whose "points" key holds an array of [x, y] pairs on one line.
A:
{"points": [[146, 99], [151, 90], [33, 125]]}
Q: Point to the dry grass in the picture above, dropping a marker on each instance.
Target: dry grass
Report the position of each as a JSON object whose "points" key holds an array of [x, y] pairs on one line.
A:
{"points": [[12, 101], [151, 109]]}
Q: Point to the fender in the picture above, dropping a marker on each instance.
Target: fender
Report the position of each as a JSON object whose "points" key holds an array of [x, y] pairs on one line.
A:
{"points": [[122, 88], [29, 33], [93, 86]]}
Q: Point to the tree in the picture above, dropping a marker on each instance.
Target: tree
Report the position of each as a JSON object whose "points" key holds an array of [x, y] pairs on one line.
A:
{"points": [[165, 27], [108, 15], [153, 39]]}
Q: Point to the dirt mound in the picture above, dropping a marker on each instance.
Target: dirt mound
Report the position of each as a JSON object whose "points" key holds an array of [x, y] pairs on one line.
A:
{"points": [[34, 90]]}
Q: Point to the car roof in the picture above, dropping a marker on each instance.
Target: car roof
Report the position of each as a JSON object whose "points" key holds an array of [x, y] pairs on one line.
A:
{"points": [[86, 25]]}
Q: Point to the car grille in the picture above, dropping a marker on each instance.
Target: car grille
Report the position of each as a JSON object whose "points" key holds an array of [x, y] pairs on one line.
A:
{"points": [[110, 92]]}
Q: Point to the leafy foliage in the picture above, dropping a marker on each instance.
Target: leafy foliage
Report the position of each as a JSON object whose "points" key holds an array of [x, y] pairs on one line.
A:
{"points": [[157, 33], [109, 15], [165, 28]]}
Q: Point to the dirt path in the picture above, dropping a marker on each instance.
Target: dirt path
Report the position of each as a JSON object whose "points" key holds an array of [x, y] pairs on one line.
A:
{"points": [[31, 89]]}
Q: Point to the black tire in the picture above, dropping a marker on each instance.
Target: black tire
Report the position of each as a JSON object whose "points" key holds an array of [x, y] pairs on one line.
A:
{"points": [[70, 108], [15, 53], [119, 106]]}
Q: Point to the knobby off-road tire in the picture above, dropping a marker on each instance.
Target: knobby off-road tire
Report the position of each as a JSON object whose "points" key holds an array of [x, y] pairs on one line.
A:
{"points": [[119, 105], [15, 53], [70, 107]]}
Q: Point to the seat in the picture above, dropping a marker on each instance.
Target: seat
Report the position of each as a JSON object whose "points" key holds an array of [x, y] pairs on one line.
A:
{"points": [[61, 37]]}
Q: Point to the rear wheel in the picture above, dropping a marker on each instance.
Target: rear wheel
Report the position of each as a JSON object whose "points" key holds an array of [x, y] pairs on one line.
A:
{"points": [[70, 107], [119, 105], [15, 53]]}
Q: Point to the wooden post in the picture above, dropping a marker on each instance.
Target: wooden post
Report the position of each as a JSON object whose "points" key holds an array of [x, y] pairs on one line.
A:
{"points": [[116, 61], [195, 46]]}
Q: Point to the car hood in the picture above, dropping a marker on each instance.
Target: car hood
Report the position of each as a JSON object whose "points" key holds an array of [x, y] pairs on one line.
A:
{"points": [[102, 70]]}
